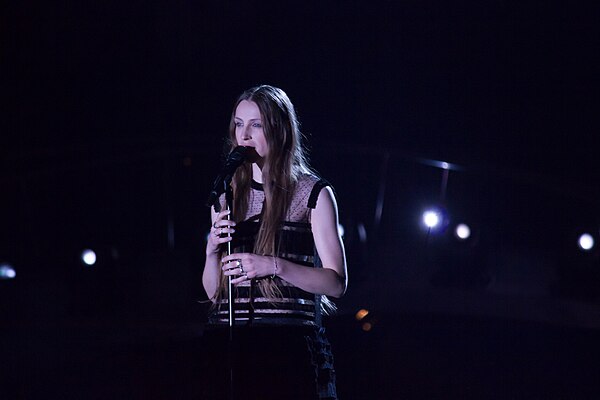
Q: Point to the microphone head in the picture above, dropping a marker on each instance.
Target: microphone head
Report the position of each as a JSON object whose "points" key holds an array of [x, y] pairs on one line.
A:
{"points": [[237, 153], [235, 159]]}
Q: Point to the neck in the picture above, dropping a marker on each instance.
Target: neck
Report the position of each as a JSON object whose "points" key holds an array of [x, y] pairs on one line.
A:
{"points": [[257, 173]]}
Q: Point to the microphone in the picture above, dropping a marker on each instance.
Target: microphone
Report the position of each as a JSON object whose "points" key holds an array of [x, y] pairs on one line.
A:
{"points": [[234, 160]]}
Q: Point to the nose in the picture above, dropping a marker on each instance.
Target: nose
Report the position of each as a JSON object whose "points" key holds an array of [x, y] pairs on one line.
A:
{"points": [[246, 133]]}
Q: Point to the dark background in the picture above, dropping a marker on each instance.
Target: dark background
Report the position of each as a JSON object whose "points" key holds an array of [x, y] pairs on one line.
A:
{"points": [[113, 119]]}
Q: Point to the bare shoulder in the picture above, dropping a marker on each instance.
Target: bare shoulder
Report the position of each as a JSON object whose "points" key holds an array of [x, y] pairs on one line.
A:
{"points": [[327, 197], [326, 210]]}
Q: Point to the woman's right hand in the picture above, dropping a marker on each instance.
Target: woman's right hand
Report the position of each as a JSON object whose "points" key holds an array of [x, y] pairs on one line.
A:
{"points": [[219, 231]]}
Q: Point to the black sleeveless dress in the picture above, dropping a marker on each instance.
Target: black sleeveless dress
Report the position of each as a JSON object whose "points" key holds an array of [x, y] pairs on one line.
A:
{"points": [[279, 348]]}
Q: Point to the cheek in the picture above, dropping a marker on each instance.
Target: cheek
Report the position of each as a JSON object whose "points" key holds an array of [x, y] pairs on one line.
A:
{"points": [[238, 136], [263, 146]]}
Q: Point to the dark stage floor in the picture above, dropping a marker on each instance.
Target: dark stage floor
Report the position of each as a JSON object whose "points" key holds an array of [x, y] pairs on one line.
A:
{"points": [[404, 356]]}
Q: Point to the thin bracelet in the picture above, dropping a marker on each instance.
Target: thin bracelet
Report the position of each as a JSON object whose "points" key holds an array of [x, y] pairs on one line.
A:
{"points": [[274, 267]]}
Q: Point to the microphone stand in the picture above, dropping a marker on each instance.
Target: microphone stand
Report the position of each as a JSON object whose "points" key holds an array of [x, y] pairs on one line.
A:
{"points": [[229, 201], [234, 160], [230, 297], [214, 201]]}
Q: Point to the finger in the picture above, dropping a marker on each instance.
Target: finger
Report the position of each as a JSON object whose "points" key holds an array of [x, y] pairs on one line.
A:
{"points": [[222, 232], [221, 240], [235, 257], [222, 215], [225, 230], [240, 279], [237, 271], [219, 217], [223, 223], [216, 218], [231, 265]]}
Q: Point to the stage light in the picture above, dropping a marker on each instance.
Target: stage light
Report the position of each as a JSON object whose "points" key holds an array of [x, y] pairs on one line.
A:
{"points": [[462, 231], [360, 314], [7, 271], [366, 319], [367, 326], [431, 218], [88, 257], [434, 220], [586, 242]]}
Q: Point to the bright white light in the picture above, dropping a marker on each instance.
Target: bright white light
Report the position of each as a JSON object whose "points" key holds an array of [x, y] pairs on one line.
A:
{"points": [[7, 271], [463, 231], [445, 165], [431, 219], [341, 230], [88, 257], [586, 241]]}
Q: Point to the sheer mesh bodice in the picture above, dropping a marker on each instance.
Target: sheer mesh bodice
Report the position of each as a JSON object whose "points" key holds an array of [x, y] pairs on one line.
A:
{"points": [[296, 244]]}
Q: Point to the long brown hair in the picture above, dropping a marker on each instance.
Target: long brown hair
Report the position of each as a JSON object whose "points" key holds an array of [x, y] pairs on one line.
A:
{"points": [[284, 163]]}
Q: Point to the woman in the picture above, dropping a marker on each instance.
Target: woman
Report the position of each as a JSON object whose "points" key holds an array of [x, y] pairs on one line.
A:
{"points": [[287, 256]]}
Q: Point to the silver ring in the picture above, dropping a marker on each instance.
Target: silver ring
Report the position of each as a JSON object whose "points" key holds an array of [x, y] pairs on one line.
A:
{"points": [[241, 267], [215, 225]]}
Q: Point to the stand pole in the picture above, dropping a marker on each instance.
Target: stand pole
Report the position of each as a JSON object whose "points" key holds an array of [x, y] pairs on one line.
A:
{"points": [[230, 297]]}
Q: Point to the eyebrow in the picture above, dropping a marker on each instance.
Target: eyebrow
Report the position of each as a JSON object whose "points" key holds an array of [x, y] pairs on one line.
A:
{"points": [[251, 119]]}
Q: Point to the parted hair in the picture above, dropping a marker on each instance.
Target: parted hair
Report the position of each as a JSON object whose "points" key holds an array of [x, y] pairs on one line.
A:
{"points": [[284, 163]]}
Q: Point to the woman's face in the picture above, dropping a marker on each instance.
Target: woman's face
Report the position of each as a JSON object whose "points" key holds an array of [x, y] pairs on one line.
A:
{"points": [[249, 127]]}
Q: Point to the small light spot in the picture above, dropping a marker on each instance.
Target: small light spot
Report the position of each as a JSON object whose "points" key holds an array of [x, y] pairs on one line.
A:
{"points": [[361, 314], [463, 231], [88, 257], [586, 242]]}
